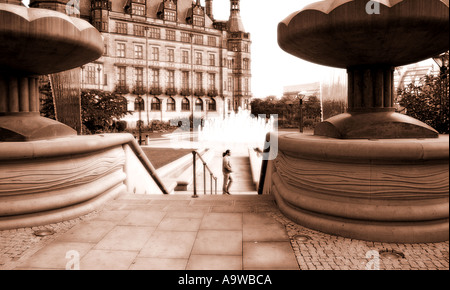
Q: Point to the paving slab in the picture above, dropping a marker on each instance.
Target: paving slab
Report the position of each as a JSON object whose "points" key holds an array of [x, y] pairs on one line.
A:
{"points": [[169, 244], [218, 242], [268, 256]]}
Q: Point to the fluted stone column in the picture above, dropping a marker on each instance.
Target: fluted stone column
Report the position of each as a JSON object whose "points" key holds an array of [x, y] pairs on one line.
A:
{"points": [[20, 119], [370, 89], [18, 95], [371, 113]]}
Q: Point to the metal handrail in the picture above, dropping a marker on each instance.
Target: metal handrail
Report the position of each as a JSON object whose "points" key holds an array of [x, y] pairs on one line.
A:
{"points": [[205, 167]]}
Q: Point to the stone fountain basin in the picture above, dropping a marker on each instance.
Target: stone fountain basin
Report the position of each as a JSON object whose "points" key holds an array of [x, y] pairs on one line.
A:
{"points": [[375, 190], [330, 33], [40, 41]]}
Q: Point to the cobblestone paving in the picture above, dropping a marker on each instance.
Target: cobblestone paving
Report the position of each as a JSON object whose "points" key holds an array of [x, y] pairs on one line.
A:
{"points": [[327, 252], [19, 244], [320, 252]]}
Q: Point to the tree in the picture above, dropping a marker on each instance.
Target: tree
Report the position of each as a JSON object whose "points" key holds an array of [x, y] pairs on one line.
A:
{"points": [[287, 109], [100, 109], [333, 107], [428, 101]]}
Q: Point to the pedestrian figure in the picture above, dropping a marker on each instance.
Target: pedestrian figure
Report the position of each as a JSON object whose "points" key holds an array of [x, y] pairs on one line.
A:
{"points": [[226, 169]]}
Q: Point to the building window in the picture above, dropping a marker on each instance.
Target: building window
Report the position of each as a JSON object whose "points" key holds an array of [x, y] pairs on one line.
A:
{"points": [[230, 63], [212, 41], [122, 76], [139, 104], [121, 49], [171, 55], [199, 81], [155, 78], [155, 53], [198, 58], [185, 37], [246, 47], [171, 105], [185, 105], [198, 39], [246, 64], [199, 105], [212, 82], [199, 20], [185, 80], [121, 28], [230, 84], [138, 51], [156, 104], [139, 78], [101, 25], [212, 105], [212, 60], [90, 75], [170, 15], [155, 33], [139, 30], [170, 35], [171, 80], [138, 10], [185, 57]]}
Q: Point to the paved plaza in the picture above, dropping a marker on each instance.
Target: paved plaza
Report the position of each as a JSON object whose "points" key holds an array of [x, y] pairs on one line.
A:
{"points": [[177, 232]]}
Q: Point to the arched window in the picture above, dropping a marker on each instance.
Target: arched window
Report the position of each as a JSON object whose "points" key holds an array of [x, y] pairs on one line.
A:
{"points": [[139, 104], [185, 105], [199, 105], [156, 104], [212, 105], [171, 105]]}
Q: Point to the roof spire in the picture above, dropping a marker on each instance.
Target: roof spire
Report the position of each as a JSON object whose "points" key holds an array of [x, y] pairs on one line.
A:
{"points": [[235, 22], [209, 8]]}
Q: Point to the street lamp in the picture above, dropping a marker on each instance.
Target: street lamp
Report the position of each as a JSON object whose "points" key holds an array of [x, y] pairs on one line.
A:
{"points": [[191, 118], [139, 102], [300, 97]]}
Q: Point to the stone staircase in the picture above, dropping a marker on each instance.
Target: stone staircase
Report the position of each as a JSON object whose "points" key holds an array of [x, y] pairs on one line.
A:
{"points": [[242, 176]]}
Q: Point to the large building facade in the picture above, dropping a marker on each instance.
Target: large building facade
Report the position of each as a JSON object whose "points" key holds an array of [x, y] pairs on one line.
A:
{"points": [[171, 53]]}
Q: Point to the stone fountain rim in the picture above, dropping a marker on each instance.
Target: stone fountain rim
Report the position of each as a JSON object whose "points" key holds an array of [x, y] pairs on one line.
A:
{"points": [[322, 20], [34, 14], [326, 8], [364, 150], [31, 35]]}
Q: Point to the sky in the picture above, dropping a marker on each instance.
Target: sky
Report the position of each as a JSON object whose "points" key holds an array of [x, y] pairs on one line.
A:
{"points": [[272, 68]]}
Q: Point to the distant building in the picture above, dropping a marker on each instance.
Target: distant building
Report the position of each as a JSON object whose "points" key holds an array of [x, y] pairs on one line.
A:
{"points": [[308, 90], [172, 53]]}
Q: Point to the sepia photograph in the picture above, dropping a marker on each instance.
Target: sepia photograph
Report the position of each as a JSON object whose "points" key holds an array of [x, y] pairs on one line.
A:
{"points": [[224, 143]]}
